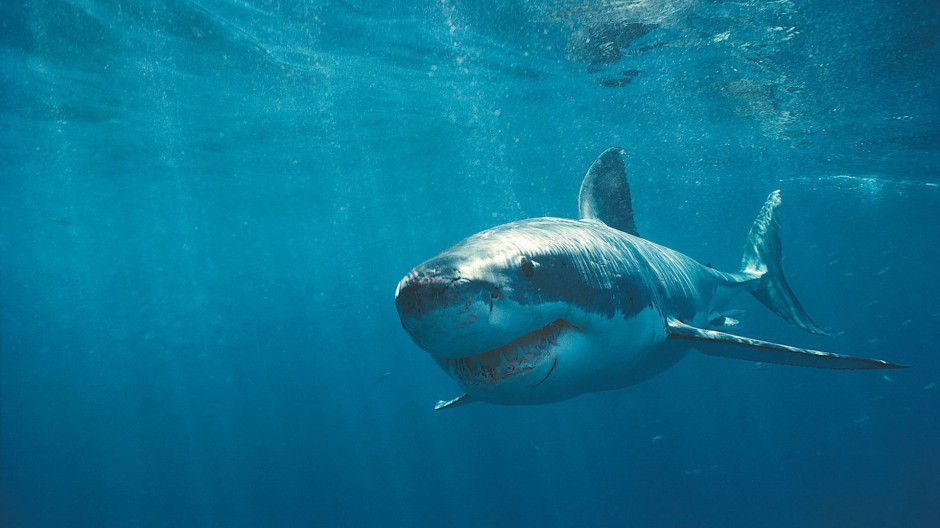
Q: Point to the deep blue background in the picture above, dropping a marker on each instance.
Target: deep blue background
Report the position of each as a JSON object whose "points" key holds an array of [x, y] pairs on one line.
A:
{"points": [[206, 206]]}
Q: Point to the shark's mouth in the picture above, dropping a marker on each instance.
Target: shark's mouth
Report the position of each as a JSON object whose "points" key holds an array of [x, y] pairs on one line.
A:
{"points": [[517, 358]]}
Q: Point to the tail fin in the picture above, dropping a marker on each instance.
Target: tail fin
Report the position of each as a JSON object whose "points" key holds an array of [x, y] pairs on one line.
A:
{"points": [[762, 259]]}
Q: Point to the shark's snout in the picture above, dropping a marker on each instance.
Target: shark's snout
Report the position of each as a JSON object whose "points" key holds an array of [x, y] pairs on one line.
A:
{"points": [[447, 314], [413, 295], [476, 332], [419, 295]]}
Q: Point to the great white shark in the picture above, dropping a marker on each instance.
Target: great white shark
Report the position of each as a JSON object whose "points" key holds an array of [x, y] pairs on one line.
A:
{"points": [[545, 309]]}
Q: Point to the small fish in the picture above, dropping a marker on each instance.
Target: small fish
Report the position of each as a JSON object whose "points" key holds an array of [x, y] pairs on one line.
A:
{"points": [[64, 222], [882, 271], [930, 386], [888, 378], [383, 377], [861, 420], [656, 438]]}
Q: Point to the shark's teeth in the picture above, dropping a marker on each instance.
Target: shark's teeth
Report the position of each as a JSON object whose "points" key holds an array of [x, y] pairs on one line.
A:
{"points": [[513, 359]]}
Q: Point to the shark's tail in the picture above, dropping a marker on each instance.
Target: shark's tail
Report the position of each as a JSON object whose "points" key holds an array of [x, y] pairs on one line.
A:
{"points": [[762, 260]]}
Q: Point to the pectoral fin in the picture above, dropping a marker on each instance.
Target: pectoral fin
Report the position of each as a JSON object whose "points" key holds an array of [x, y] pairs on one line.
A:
{"points": [[716, 343], [459, 400]]}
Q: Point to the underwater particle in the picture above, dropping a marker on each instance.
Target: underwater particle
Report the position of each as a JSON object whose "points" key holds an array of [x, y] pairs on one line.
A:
{"points": [[602, 41], [626, 77]]}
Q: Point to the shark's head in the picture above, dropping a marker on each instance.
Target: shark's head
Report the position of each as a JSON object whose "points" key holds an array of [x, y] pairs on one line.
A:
{"points": [[514, 313], [484, 308]]}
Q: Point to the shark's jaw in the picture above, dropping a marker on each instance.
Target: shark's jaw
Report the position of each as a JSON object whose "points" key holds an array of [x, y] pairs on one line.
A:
{"points": [[528, 360]]}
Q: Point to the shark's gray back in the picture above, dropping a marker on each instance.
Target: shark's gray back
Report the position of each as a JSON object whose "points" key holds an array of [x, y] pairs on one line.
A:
{"points": [[597, 268]]}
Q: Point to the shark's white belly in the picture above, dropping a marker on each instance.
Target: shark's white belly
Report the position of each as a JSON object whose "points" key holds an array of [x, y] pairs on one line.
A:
{"points": [[596, 354]]}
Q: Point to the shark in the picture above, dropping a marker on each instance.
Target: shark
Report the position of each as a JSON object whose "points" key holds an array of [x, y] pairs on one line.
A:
{"points": [[541, 310]]}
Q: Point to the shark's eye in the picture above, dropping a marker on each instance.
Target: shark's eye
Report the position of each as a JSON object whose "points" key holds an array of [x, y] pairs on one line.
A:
{"points": [[527, 267], [496, 295]]}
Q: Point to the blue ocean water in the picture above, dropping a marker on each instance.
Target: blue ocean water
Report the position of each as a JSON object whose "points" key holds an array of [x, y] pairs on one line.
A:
{"points": [[205, 207]]}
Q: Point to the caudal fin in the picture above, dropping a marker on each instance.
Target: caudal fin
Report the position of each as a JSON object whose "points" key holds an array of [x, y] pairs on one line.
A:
{"points": [[762, 259]]}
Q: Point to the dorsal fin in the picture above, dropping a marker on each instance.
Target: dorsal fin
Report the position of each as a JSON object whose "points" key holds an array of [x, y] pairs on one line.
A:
{"points": [[605, 193]]}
